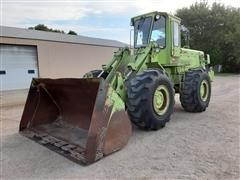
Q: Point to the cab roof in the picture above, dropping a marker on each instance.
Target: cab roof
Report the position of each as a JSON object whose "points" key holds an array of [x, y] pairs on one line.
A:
{"points": [[154, 13]]}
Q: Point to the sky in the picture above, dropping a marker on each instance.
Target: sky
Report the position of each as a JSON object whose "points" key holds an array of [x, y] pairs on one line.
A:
{"points": [[108, 19]]}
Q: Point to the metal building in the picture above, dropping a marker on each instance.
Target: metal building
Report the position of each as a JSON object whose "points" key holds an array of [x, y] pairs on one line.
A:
{"points": [[25, 54]]}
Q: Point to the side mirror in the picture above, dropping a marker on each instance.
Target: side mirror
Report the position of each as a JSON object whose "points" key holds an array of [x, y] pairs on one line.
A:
{"points": [[207, 60], [132, 22]]}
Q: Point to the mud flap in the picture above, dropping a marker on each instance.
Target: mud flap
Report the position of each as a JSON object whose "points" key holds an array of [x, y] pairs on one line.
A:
{"points": [[81, 119]]}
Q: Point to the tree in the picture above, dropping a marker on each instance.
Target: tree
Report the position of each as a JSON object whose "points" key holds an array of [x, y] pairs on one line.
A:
{"points": [[72, 32], [215, 30], [42, 27]]}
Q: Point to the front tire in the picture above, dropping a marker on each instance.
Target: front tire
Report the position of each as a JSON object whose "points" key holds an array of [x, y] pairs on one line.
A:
{"points": [[195, 91], [150, 99]]}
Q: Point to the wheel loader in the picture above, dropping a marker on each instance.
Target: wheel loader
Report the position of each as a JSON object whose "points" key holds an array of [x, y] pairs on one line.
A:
{"points": [[85, 119]]}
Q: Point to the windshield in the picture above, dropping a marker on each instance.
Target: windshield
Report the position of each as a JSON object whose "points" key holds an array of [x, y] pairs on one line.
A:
{"points": [[141, 32], [158, 32]]}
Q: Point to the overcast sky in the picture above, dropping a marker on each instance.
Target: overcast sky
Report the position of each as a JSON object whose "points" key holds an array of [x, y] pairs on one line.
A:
{"points": [[104, 19]]}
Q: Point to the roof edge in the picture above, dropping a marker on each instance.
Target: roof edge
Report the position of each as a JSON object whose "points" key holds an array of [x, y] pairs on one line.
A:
{"points": [[13, 32]]}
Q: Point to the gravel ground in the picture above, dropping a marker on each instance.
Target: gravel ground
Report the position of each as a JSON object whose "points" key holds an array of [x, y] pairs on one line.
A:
{"points": [[191, 146]]}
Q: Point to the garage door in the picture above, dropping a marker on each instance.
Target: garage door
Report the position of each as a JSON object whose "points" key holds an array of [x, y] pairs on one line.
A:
{"points": [[18, 66]]}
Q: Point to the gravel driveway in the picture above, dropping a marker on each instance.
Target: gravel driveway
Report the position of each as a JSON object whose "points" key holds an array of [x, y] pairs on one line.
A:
{"points": [[191, 146]]}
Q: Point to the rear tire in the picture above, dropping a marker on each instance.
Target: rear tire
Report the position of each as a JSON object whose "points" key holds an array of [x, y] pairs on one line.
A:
{"points": [[195, 91], [95, 74], [150, 99]]}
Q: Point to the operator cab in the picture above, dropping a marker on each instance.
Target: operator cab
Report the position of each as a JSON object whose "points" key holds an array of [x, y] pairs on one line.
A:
{"points": [[158, 27]]}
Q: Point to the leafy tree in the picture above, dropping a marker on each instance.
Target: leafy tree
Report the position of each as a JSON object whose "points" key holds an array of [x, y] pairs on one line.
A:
{"points": [[42, 27], [215, 30], [72, 32]]}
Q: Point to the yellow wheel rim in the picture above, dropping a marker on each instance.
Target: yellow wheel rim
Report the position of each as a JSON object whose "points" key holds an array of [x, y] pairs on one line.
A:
{"points": [[204, 90], [161, 100]]}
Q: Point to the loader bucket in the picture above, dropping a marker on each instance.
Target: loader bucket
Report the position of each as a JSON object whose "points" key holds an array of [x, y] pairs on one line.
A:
{"points": [[81, 119]]}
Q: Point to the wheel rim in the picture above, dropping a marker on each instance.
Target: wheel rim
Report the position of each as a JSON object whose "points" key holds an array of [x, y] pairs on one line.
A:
{"points": [[204, 90], [161, 100]]}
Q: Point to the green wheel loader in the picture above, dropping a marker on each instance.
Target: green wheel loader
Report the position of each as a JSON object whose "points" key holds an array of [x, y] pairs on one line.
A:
{"points": [[87, 118]]}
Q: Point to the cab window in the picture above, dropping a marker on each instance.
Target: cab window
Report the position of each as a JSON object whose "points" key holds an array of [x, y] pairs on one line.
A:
{"points": [[175, 34], [159, 31], [142, 29]]}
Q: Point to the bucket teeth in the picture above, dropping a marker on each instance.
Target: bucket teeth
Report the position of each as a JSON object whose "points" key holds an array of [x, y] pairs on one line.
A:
{"points": [[68, 147], [59, 144]]}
